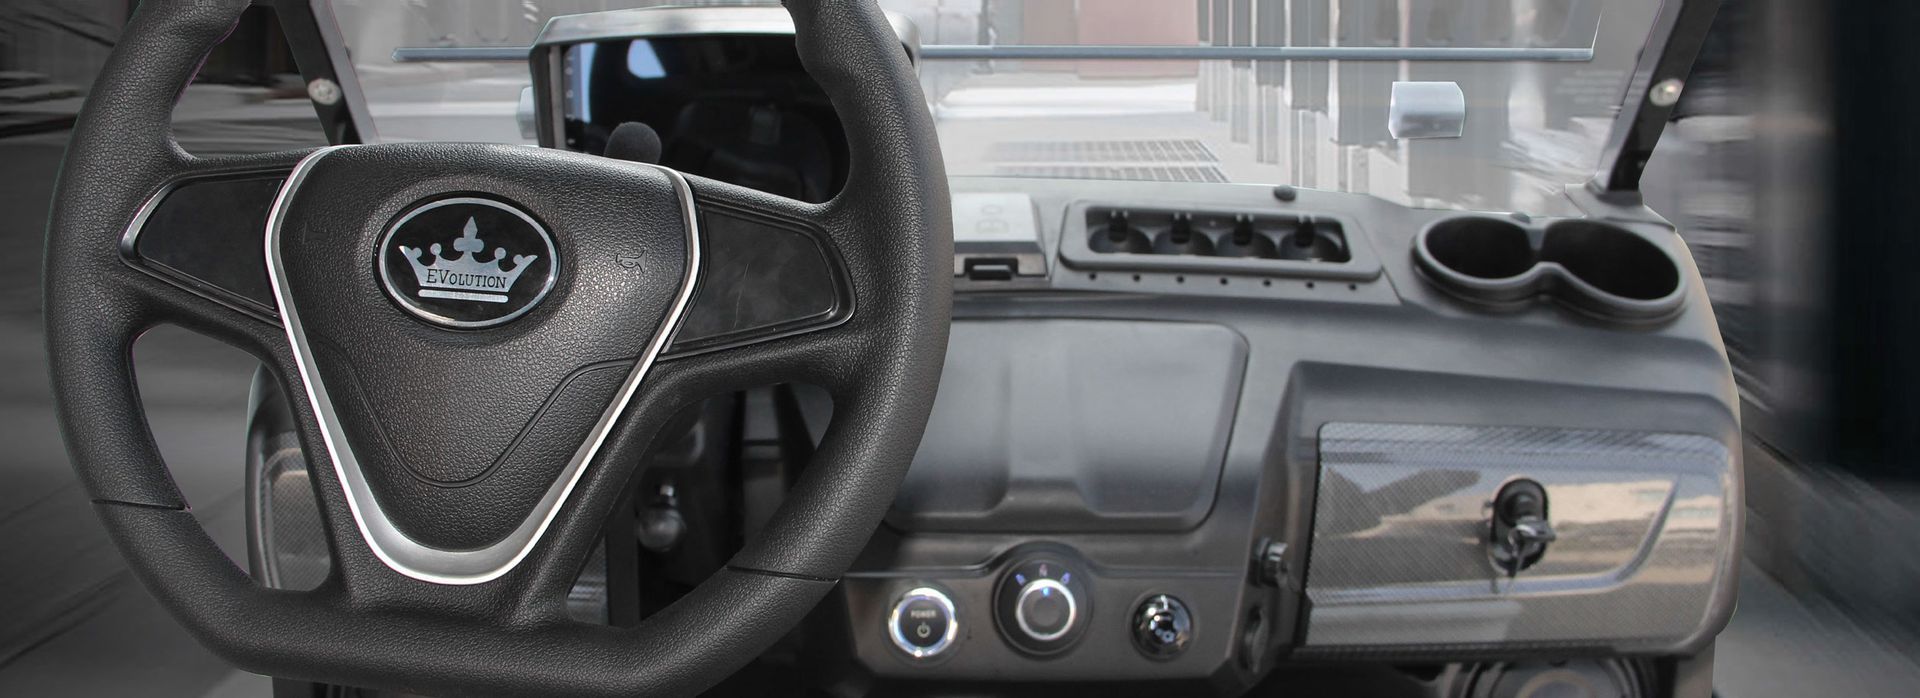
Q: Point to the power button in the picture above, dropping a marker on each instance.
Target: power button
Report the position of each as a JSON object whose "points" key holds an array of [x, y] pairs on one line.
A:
{"points": [[922, 623]]}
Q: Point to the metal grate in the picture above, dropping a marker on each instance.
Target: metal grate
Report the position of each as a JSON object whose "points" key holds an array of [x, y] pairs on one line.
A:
{"points": [[1144, 173], [1181, 150]]}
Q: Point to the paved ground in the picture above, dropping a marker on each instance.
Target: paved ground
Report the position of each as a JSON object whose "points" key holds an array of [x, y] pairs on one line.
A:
{"points": [[1782, 644]]}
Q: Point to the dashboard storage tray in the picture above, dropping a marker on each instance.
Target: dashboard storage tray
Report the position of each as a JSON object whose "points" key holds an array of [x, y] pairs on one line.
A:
{"points": [[1603, 269]]}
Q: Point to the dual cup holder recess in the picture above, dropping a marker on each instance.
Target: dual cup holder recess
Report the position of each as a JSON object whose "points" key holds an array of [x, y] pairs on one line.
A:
{"points": [[1595, 267], [1247, 236]]}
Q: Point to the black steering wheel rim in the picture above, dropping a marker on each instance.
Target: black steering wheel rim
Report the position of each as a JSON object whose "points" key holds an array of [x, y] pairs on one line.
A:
{"points": [[372, 624]]}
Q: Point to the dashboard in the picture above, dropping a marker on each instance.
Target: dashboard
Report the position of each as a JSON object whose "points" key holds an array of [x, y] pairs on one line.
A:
{"points": [[1192, 433], [1228, 464]]}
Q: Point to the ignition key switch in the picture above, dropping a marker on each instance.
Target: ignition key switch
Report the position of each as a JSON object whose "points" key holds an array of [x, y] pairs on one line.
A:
{"points": [[1162, 626], [1519, 533]]}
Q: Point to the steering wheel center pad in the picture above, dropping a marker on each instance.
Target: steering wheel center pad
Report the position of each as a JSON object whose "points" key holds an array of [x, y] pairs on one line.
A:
{"points": [[456, 446]]}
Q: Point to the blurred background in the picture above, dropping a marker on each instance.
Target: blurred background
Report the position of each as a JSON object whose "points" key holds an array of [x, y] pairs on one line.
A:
{"points": [[1787, 169]]}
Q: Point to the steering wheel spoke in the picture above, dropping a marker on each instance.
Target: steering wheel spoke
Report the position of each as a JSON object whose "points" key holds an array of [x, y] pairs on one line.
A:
{"points": [[203, 230], [771, 269], [113, 295]]}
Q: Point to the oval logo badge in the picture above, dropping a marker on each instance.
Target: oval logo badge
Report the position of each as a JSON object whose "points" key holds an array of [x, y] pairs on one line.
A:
{"points": [[467, 263]]}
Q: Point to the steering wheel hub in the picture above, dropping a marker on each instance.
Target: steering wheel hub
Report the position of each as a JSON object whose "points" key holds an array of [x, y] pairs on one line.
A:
{"points": [[456, 449]]}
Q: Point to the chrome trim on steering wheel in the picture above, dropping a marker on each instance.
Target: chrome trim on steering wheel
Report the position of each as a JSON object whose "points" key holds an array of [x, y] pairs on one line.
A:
{"points": [[403, 554]]}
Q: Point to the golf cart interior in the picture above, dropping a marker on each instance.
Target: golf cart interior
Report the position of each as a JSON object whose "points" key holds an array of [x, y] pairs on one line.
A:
{"points": [[801, 366]]}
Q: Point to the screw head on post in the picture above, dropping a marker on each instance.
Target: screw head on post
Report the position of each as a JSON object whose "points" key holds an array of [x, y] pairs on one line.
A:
{"points": [[1666, 93]]}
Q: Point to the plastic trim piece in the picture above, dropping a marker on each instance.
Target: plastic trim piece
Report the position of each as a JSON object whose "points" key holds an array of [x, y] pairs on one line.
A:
{"points": [[403, 554], [129, 246], [843, 304]]}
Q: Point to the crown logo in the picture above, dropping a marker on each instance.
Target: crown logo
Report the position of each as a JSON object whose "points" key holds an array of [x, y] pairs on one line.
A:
{"points": [[465, 277]]}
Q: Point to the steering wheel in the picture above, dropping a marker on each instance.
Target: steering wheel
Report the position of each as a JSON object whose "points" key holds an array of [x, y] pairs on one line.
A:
{"points": [[477, 338]]}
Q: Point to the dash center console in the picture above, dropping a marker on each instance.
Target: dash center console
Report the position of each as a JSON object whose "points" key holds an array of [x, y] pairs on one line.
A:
{"points": [[1188, 433]]}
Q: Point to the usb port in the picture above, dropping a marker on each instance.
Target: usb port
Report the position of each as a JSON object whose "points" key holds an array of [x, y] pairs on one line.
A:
{"points": [[990, 268]]}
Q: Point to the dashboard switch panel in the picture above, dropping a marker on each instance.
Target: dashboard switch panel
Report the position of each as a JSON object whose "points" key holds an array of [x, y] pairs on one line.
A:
{"points": [[1208, 234], [1235, 241], [1042, 605]]}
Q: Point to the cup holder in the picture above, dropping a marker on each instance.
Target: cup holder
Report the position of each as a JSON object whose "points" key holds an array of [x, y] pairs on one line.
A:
{"points": [[1596, 267], [1611, 260], [1479, 247]]}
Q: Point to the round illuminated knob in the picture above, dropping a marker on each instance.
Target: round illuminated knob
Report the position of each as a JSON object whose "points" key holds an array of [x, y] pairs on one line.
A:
{"points": [[1045, 610], [1042, 605], [923, 623]]}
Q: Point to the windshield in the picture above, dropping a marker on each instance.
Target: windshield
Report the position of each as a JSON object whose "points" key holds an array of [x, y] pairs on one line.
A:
{"points": [[1247, 91]]}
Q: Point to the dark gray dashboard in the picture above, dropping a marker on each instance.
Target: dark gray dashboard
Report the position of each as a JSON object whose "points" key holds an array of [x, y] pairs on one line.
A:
{"points": [[1191, 432], [1157, 424]]}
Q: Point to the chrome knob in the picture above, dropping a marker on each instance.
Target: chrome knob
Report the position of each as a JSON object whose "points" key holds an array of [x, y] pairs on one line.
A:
{"points": [[1045, 610], [1162, 626], [1042, 605]]}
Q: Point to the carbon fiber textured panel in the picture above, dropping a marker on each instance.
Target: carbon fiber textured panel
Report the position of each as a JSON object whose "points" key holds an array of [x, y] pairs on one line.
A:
{"points": [[1399, 555]]}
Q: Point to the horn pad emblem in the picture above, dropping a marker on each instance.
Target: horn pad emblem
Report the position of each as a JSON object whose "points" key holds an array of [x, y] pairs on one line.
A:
{"points": [[467, 263]]}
